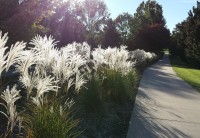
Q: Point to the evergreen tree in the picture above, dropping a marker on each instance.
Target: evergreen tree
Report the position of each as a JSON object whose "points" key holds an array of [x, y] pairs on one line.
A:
{"points": [[192, 41], [187, 37]]}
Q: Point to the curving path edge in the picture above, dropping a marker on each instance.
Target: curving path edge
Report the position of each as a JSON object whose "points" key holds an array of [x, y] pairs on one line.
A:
{"points": [[165, 106]]}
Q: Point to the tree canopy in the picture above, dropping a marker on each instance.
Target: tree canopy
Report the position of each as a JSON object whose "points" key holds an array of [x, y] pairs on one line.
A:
{"points": [[87, 20], [110, 36], [123, 24], [148, 29], [186, 37], [148, 13]]}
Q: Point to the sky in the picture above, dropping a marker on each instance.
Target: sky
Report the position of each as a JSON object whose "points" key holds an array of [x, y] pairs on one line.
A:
{"points": [[174, 11]]}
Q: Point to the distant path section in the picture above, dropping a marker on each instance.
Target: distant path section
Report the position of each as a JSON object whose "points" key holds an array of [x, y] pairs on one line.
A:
{"points": [[165, 106]]}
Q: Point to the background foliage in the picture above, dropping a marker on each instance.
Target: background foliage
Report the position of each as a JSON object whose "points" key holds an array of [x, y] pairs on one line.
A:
{"points": [[186, 38], [88, 20]]}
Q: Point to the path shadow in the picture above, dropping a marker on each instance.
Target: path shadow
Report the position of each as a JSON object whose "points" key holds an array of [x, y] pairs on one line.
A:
{"points": [[149, 127], [168, 83]]}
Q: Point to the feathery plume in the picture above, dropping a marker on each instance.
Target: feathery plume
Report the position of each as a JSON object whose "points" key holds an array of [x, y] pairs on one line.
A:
{"points": [[3, 56], [44, 85], [10, 97], [15, 53]]}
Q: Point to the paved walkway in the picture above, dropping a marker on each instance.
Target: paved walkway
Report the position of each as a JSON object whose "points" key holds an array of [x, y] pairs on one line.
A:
{"points": [[166, 106]]}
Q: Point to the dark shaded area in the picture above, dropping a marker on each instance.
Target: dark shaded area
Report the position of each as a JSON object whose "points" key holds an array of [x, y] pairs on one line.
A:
{"points": [[153, 38]]}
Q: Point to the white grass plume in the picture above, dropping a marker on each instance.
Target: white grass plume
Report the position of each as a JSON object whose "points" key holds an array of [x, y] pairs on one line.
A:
{"points": [[3, 56], [3, 39], [15, 53], [113, 58], [29, 81], [10, 97], [43, 86], [27, 59], [45, 47], [41, 43], [80, 81], [140, 56]]}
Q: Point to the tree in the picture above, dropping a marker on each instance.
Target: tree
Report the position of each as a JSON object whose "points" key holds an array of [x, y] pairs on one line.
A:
{"points": [[153, 39], [148, 29], [25, 18], [68, 21], [93, 14], [110, 36], [148, 13], [7, 8], [187, 37], [123, 24], [178, 37], [64, 24], [192, 41]]}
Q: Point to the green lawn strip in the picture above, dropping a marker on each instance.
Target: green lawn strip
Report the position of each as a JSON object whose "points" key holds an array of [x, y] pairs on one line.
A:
{"points": [[187, 73], [192, 76]]}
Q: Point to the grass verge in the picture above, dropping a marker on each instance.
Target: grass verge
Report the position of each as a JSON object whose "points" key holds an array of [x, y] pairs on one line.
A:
{"points": [[188, 73]]}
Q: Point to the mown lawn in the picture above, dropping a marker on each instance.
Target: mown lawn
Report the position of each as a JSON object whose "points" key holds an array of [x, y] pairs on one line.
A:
{"points": [[186, 72]]}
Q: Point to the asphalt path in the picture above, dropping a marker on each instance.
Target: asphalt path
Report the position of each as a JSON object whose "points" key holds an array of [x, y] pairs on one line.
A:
{"points": [[165, 106]]}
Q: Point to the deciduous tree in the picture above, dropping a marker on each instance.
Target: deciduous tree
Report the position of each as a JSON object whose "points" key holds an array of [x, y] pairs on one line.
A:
{"points": [[123, 24]]}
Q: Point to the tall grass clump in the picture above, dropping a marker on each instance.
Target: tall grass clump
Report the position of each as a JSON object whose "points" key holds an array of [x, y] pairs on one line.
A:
{"points": [[53, 121], [118, 87], [119, 77], [49, 79], [91, 96], [142, 59], [113, 58], [43, 70]]}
